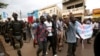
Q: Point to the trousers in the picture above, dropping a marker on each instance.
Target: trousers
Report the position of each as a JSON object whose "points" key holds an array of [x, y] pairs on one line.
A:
{"points": [[71, 49]]}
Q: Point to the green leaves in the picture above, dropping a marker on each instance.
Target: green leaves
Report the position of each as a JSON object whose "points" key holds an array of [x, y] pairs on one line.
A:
{"points": [[3, 5]]}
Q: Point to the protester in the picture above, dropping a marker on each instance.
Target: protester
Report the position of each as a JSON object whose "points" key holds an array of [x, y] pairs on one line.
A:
{"points": [[34, 27], [95, 28], [54, 27], [29, 30], [71, 35], [8, 32], [65, 29], [50, 37], [88, 21], [25, 31], [96, 44], [0, 27], [41, 37], [60, 32]]}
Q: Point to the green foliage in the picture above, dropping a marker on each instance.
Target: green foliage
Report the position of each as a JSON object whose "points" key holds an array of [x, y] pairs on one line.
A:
{"points": [[3, 5]]}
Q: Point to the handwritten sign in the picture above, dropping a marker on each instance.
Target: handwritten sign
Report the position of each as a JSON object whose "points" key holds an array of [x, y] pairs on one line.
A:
{"points": [[84, 30]]}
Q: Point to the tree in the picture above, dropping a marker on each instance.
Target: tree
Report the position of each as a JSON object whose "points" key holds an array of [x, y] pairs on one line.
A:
{"points": [[3, 5]]}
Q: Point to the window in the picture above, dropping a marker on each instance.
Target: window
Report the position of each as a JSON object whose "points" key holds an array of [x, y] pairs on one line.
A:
{"points": [[70, 7], [57, 12], [54, 10], [50, 11], [78, 5]]}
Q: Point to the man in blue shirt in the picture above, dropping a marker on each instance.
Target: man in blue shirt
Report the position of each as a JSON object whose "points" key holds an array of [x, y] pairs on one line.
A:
{"points": [[71, 34]]}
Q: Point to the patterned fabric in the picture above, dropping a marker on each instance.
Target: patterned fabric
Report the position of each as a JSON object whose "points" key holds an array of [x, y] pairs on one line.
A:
{"points": [[41, 32]]}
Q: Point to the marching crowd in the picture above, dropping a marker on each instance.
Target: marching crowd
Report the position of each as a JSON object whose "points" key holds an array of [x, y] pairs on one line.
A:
{"points": [[48, 32]]}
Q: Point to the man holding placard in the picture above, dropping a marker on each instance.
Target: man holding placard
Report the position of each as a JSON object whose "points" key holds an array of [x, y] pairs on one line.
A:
{"points": [[71, 34]]}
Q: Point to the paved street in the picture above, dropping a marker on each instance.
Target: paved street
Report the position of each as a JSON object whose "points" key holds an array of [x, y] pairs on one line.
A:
{"points": [[28, 49]]}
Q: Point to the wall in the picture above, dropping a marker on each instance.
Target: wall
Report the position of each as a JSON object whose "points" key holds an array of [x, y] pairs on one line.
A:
{"points": [[50, 11], [70, 4]]}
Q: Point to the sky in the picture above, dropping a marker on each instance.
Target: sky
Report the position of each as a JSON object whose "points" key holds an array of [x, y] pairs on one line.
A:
{"points": [[26, 6], [92, 4]]}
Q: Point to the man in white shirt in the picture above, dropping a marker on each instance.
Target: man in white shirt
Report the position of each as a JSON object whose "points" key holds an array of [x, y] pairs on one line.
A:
{"points": [[50, 37]]}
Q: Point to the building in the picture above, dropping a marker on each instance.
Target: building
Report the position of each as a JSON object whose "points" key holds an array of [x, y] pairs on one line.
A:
{"points": [[75, 6], [96, 14], [53, 9]]}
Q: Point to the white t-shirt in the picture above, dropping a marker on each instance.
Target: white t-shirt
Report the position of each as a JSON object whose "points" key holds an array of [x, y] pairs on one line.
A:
{"points": [[49, 27], [96, 25]]}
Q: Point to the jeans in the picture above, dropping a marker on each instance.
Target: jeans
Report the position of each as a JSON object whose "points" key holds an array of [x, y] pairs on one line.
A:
{"points": [[71, 49], [42, 48]]}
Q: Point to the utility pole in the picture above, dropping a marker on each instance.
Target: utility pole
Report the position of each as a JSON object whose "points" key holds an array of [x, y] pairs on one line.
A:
{"points": [[20, 15]]}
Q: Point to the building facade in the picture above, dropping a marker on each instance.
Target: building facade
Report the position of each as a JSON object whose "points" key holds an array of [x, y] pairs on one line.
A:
{"points": [[77, 7], [53, 9]]}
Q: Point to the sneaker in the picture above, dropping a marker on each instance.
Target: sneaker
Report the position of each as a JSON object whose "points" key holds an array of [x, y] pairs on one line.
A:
{"points": [[55, 55]]}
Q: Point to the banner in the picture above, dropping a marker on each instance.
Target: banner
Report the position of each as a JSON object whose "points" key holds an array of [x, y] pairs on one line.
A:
{"points": [[84, 30]]}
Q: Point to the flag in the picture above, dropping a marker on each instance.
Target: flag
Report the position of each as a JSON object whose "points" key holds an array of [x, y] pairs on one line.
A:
{"points": [[30, 17], [4, 15], [35, 14]]}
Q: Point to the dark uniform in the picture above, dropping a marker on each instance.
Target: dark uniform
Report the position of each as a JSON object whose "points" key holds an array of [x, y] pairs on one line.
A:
{"points": [[17, 30]]}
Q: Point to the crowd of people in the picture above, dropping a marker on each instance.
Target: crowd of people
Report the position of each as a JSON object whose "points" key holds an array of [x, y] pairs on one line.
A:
{"points": [[47, 32]]}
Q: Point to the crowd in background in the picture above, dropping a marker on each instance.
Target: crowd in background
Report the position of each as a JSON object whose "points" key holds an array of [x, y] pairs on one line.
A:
{"points": [[47, 33]]}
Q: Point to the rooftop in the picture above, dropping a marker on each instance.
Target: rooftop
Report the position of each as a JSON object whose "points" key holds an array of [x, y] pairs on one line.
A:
{"points": [[69, 1], [54, 5]]}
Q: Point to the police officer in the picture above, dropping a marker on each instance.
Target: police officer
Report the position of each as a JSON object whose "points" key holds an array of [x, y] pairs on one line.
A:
{"points": [[17, 30]]}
